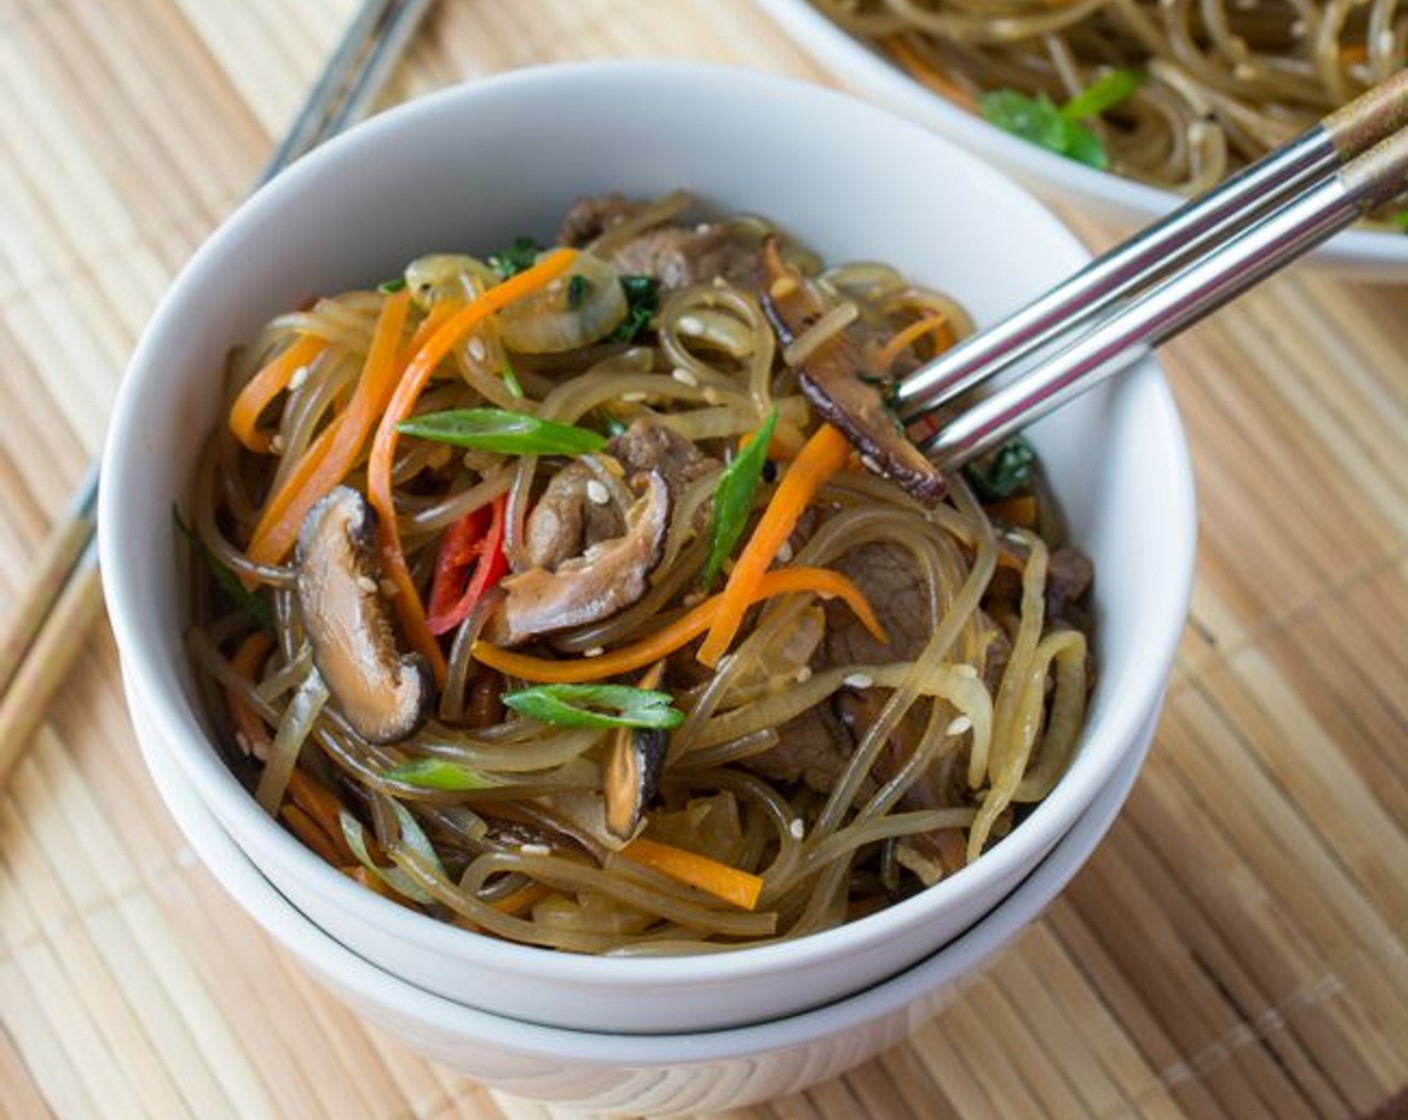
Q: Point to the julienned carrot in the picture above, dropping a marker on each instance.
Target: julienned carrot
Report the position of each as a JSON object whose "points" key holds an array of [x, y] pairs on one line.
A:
{"points": [[741, 888], [409, 608], [335, 451], [821, 457], [264, 386], [925, 74], [250, 733], [1021, 510], [925, 324], [683, 630]]}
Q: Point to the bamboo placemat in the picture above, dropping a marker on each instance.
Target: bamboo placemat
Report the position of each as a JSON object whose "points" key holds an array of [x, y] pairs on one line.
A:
{"points": [[1235, 949]]}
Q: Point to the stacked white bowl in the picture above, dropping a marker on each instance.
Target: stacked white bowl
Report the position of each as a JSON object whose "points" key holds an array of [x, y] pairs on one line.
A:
{"points": [[472, 168]]}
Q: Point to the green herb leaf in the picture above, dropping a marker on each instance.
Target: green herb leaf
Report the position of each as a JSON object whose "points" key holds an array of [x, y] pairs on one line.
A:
{"points": [[253, 604], [593, 705], [503, 432], [578, 286], [390, 287], [642, 302], [517, 259], [1038, 120], [1104, 93], [1003, 472], [733, 498], [436, 773]]}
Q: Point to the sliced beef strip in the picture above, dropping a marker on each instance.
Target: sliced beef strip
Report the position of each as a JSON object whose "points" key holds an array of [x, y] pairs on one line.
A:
{"points": [[565, 522], [647, 446], [588, 218], [678, 256], [892, 582], [812, 748], [1068, 577]]}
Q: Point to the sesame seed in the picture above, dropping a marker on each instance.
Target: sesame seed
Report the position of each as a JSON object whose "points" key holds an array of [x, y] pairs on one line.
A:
{"points": [[784, 554], [703, 227], [367, 584], [693, 599], [858, 680], [242, 741], [477, 349], [595, 651], [804, 674], [869, 463], [1298, 29], [1384, 42], [300, 375], [555, 285], [711, 395], [1243, 72], [632, 398], [389, 588], [782, 286], [276, 445], [690, 324], [965, 671], [597, 493], [684, 377], [534, 850], [959, 725], [797, 828]]}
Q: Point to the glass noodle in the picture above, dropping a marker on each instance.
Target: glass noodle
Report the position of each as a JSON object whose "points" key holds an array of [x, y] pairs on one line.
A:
{"points": [[931, 743]]}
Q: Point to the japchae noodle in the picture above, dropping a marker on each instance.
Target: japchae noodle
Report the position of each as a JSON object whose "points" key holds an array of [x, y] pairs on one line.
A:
{"points": [[1226, 81], [534, 594]]}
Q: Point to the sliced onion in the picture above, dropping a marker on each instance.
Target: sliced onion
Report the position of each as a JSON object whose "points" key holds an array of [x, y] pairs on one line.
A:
{"points": [[438, 275], [545, 323]]}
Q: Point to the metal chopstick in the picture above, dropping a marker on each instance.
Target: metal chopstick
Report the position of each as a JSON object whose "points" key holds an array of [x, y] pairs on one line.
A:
{"points": [[1162, 248], [1131, 332]]}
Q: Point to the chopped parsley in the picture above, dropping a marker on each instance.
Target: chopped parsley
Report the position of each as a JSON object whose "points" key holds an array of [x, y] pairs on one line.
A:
{"points": [[389, 287], [1058, 128], [643, 300], [578, 288], [519, 258], [1003, 472]]}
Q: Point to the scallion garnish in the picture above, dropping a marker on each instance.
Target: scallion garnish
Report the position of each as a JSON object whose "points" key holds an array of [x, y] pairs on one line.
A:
{"points": [[596, 705], [504, 432]]}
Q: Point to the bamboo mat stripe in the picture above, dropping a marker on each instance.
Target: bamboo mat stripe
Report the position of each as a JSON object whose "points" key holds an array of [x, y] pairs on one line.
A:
{"points": [[1236, 947]]}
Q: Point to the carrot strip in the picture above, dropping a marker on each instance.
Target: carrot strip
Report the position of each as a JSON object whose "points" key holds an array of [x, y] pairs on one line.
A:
{"points": [[522, 898], [718, 879], [250, 732], [335, 450], [926, 75], [821, 457], [302, 825], [685, 629], [409, 607], [322, 807], [1017, 511], [926, 324], [263, 387]]}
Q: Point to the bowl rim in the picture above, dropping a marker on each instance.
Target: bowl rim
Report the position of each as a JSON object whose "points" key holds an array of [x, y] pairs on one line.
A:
{"points": [[1161, 626], [242, 880], [1377, 252]]}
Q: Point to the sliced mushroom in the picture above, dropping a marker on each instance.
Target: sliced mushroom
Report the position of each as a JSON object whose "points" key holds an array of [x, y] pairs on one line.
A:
{"points": [[383, 694], [607, 578], [631, 767], [834, 379], [575, 512]]}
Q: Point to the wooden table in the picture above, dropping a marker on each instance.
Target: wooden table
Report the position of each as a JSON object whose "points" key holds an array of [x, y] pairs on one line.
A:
{"points": [[1235, 948]]}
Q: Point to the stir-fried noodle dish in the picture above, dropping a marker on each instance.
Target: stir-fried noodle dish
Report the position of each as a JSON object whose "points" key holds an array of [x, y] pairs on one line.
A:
{"points": [[1177, 93], [592, 597]]}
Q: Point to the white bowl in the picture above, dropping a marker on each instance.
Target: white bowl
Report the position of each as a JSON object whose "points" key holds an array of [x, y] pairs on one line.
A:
{"points": [[656, 1075], [475, 166], [1359, 254]]}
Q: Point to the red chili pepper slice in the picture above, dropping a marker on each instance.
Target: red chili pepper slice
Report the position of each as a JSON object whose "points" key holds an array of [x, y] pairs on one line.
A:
{"points": [[467, 544]]}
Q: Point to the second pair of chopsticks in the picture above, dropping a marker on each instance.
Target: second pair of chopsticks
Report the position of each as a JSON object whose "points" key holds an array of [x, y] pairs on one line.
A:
{"points": [[50, 624], [1112, 313]]}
